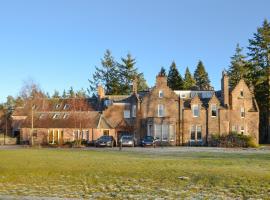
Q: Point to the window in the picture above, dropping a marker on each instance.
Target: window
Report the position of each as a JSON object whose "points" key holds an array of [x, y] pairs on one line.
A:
{"points": [[195, 110], [199, 133], [57, 106], [134, 111], [160, 110], [66, 116], [241, 93], [56, 116], [126, 114], [158, 131], [106, 132], [108, 102], [234, 128], [192, 132], [42, 116], [242, 131], [196, 133], [213, 110], [160, 94], [66, 107], [149, 129], [165, 132], [242, 112], [172, 133]]}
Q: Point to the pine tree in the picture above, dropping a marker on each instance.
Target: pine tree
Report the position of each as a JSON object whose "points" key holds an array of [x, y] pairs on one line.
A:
{"points": [[64, 95], [240, 68], [201, 77], [56, 94], [175, 81], [259, 53], [107, 75], [71, 93], [189, 81]]}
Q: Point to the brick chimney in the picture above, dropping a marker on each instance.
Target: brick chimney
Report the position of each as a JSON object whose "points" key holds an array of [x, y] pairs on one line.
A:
{"points": [[135, 86], [101, 92], [225, 89], [161, 80]]}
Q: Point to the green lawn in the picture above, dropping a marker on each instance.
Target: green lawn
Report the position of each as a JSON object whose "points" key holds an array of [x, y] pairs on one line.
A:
{"points": [[71, 173]]}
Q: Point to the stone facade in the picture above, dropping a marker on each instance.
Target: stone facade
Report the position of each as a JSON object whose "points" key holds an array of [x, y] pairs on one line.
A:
{"points": [[172, 117]]}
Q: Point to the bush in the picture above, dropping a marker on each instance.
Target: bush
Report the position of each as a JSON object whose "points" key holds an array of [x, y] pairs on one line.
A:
{"points": [[232, 140]]}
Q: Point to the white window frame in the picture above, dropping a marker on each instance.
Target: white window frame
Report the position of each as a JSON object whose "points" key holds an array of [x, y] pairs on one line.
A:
{"points": [[66, 106], [160, 94], [214, 106], [56, 116], [242, 112], [196, 133], [57, 106], [126, 114], [66, 116], [193, 110], [161, 114], [134, 110]]}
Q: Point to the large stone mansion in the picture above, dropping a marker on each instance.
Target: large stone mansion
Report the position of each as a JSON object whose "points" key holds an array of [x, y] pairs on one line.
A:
{"points": [[173, 117]]}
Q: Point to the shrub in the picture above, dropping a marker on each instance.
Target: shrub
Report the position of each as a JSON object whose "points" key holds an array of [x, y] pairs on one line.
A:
{"points": [[233, 139]]}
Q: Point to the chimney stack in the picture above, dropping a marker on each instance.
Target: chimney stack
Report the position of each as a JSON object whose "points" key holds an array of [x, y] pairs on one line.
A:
{"points": [[101, 92], [225, 89], [161, 80]]}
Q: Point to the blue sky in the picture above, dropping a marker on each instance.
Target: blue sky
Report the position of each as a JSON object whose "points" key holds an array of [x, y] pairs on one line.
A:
{"points": [[58, 42]]}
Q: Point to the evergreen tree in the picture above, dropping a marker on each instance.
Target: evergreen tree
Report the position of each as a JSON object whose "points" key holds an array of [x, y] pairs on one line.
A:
{"points": [[64, 95], [162, 72], [189, 81], [175, 81], [201, 77], [239, 68], [259, 53], [128, 73], [71, 93], [107, 75], [81, 93], [56, 94]]}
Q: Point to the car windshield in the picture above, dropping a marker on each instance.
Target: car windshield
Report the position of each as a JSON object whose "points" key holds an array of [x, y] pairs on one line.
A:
{"points": [[148, 138], [105, 137], [126, 137]]}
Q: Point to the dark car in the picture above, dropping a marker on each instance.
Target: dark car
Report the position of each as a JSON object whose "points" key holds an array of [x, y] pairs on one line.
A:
{"points": [[105, 141], [148, 141], [127, 140]]}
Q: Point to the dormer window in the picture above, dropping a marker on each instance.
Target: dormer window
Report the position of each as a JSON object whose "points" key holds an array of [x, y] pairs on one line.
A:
{"points": [[213, 110], [195, 110], [161, 94], [57, 106], [56, 116], [242, 112], [66, 107], [241, 93]]}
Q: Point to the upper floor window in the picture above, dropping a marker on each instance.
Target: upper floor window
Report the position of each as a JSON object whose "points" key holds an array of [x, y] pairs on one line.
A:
{"points": [[161, 94], [213, 110], [65, 116], [195, 110], [67, 106], [241, 93], [126, 113], [160, 110], [57, 106], [242, 112], [134, 111]]}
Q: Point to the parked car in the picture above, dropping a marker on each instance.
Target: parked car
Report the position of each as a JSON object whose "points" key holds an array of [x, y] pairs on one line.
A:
{"points": [[127, 140], [105, 141], [148, 141]]}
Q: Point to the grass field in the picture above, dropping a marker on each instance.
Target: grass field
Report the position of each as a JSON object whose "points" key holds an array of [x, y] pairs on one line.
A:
{"points": [[106, 174]]}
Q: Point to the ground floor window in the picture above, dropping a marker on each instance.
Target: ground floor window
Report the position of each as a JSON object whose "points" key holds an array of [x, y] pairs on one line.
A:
{"points": [[196, 133], [162, 132], [55, 136], [106, 132]]}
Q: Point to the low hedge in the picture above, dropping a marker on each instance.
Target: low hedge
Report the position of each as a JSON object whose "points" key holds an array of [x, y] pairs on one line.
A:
{"points": [[232, 140]]}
